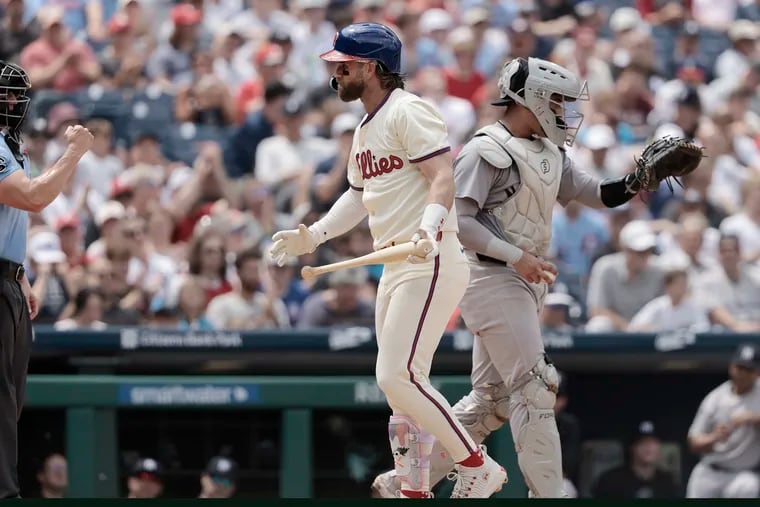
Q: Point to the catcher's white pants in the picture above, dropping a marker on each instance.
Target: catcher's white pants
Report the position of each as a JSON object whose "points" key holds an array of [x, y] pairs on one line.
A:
{"points": [[414, 304], [706, 482]]}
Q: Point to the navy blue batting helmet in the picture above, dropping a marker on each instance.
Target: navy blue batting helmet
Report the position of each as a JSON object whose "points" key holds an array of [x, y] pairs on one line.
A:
{"points": [[367, 41]]}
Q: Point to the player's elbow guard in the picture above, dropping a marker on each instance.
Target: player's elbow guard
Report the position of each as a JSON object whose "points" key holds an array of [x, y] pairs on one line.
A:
{"points": [[614, 193]]}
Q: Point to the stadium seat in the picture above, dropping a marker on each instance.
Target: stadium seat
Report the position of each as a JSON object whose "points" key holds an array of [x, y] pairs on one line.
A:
{"points": [[670, 459], [182, 140], [597, 456], [97, 101]]}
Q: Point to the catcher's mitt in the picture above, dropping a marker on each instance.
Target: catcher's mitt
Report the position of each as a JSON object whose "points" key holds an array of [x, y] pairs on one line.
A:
{"points": [[666, 158]]}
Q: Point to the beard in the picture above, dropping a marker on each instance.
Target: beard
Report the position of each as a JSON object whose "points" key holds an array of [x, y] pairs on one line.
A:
{"points": [[351, 91]]}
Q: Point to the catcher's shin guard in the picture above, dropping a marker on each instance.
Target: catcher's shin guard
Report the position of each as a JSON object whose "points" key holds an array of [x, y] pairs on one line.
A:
{"points": [[535, 431]]}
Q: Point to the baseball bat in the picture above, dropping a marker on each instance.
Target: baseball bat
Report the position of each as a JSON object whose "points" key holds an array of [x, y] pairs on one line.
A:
{"points": [[395, 253]]}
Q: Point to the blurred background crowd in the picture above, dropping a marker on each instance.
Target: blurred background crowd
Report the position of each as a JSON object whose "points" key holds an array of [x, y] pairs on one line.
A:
{"points": [[214, 127]]}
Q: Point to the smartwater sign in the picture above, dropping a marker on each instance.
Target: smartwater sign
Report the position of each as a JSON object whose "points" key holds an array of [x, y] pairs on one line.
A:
{"points": [[188, 394]]}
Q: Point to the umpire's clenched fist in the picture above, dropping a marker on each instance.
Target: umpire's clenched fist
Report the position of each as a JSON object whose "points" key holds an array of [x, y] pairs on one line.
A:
{"points": [[79, 138]]}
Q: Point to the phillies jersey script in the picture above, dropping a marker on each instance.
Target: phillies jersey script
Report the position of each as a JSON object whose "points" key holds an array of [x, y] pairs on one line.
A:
{"points": [[401, 132]]}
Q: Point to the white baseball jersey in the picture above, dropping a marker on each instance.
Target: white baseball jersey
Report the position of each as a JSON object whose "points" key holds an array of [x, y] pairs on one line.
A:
{"points": [[401, 132]]}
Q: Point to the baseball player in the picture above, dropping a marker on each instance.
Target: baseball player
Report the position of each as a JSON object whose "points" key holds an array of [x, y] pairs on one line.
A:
{"points": [[726, 432], [400, 173], [508, 179], [19, 195]]}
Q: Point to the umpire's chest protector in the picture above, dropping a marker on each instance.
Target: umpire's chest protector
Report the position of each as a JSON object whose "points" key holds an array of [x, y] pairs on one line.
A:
{"points": [[526, 215]]}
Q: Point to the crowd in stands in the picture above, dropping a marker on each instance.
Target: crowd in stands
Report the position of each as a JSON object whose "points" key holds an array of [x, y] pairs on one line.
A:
{"points": [[215, 127]]}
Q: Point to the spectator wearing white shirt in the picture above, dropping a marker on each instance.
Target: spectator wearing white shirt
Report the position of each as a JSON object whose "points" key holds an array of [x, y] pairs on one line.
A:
{"points": [[735, 60], [687, 114], [290, 155], [692, 244], [458, 113], [109, 220], [597, 152], [746, 224], [731, 292], [248, 307], [312, 36], [99, 166], [673, 311], [621, 283]]}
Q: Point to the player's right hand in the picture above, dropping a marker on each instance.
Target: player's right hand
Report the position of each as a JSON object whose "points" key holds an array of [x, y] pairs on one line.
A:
{"points": [[79, 138], [534, 270], [423, 234], [292, 243]]}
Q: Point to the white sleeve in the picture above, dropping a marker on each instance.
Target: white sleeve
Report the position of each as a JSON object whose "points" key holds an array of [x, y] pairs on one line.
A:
{"points": [[343, 216], [646, 317], [266, 162]]}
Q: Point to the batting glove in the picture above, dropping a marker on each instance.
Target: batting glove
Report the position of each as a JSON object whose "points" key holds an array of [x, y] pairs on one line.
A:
{"points": [[292, 243], [423, 234]]}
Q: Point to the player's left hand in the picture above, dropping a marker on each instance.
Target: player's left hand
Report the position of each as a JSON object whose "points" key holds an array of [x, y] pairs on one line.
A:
{"points": [[423, 234]]}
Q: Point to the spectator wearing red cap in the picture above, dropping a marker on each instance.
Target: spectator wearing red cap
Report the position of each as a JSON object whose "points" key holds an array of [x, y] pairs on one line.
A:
{"points": [[56, 60], [171, 62], [123, 59], [71, 235], [269, 62]]}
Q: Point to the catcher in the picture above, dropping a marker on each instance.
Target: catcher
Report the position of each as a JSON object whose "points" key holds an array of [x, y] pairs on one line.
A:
{"points": [[508, 179]]}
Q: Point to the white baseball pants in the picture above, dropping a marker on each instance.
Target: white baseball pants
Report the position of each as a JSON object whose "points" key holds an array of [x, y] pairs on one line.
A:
{"points": [[414, 304]]}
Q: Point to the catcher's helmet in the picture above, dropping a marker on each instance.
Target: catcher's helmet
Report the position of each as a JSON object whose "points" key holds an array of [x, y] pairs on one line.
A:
{"points": [[537, 85], [367, 41], [14, 102]]}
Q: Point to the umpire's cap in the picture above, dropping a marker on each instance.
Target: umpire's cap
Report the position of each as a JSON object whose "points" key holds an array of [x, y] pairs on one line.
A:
{"points": [[366, 41], [747, 355]]}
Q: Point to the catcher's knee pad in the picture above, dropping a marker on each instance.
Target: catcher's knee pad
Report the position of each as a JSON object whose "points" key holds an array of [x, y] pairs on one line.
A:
{"points": [[411, 447], [483, 411], [537, 440]]}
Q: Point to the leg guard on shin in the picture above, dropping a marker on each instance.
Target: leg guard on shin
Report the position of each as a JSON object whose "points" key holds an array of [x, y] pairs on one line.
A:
{"points": [[411, 447], [535, 433]]}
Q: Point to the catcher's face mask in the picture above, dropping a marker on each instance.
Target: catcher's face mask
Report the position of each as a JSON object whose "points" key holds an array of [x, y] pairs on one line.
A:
{"points": [[550, 92]]}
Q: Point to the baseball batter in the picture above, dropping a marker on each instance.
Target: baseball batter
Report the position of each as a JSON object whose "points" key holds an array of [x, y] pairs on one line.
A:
{"points": [[400, 173], [508, 179], [726, 432]]}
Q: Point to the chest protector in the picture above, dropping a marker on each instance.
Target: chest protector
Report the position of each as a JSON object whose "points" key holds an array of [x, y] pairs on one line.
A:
{"points": [[526, 215]]}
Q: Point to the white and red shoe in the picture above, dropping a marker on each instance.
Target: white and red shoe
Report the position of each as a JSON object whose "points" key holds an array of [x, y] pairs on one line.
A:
{"points": [[385, 485], [478, 482]]}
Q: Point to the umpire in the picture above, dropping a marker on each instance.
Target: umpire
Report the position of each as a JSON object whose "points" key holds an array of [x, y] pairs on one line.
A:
{"points": [[18, 196]]}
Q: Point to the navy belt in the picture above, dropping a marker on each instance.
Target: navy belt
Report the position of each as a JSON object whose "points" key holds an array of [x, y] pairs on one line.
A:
{"points": [[485, 258], [10, 270]]}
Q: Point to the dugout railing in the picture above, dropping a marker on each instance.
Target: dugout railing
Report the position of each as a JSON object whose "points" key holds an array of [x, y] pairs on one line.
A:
{"points": [[91, 403], [615, 381]]}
